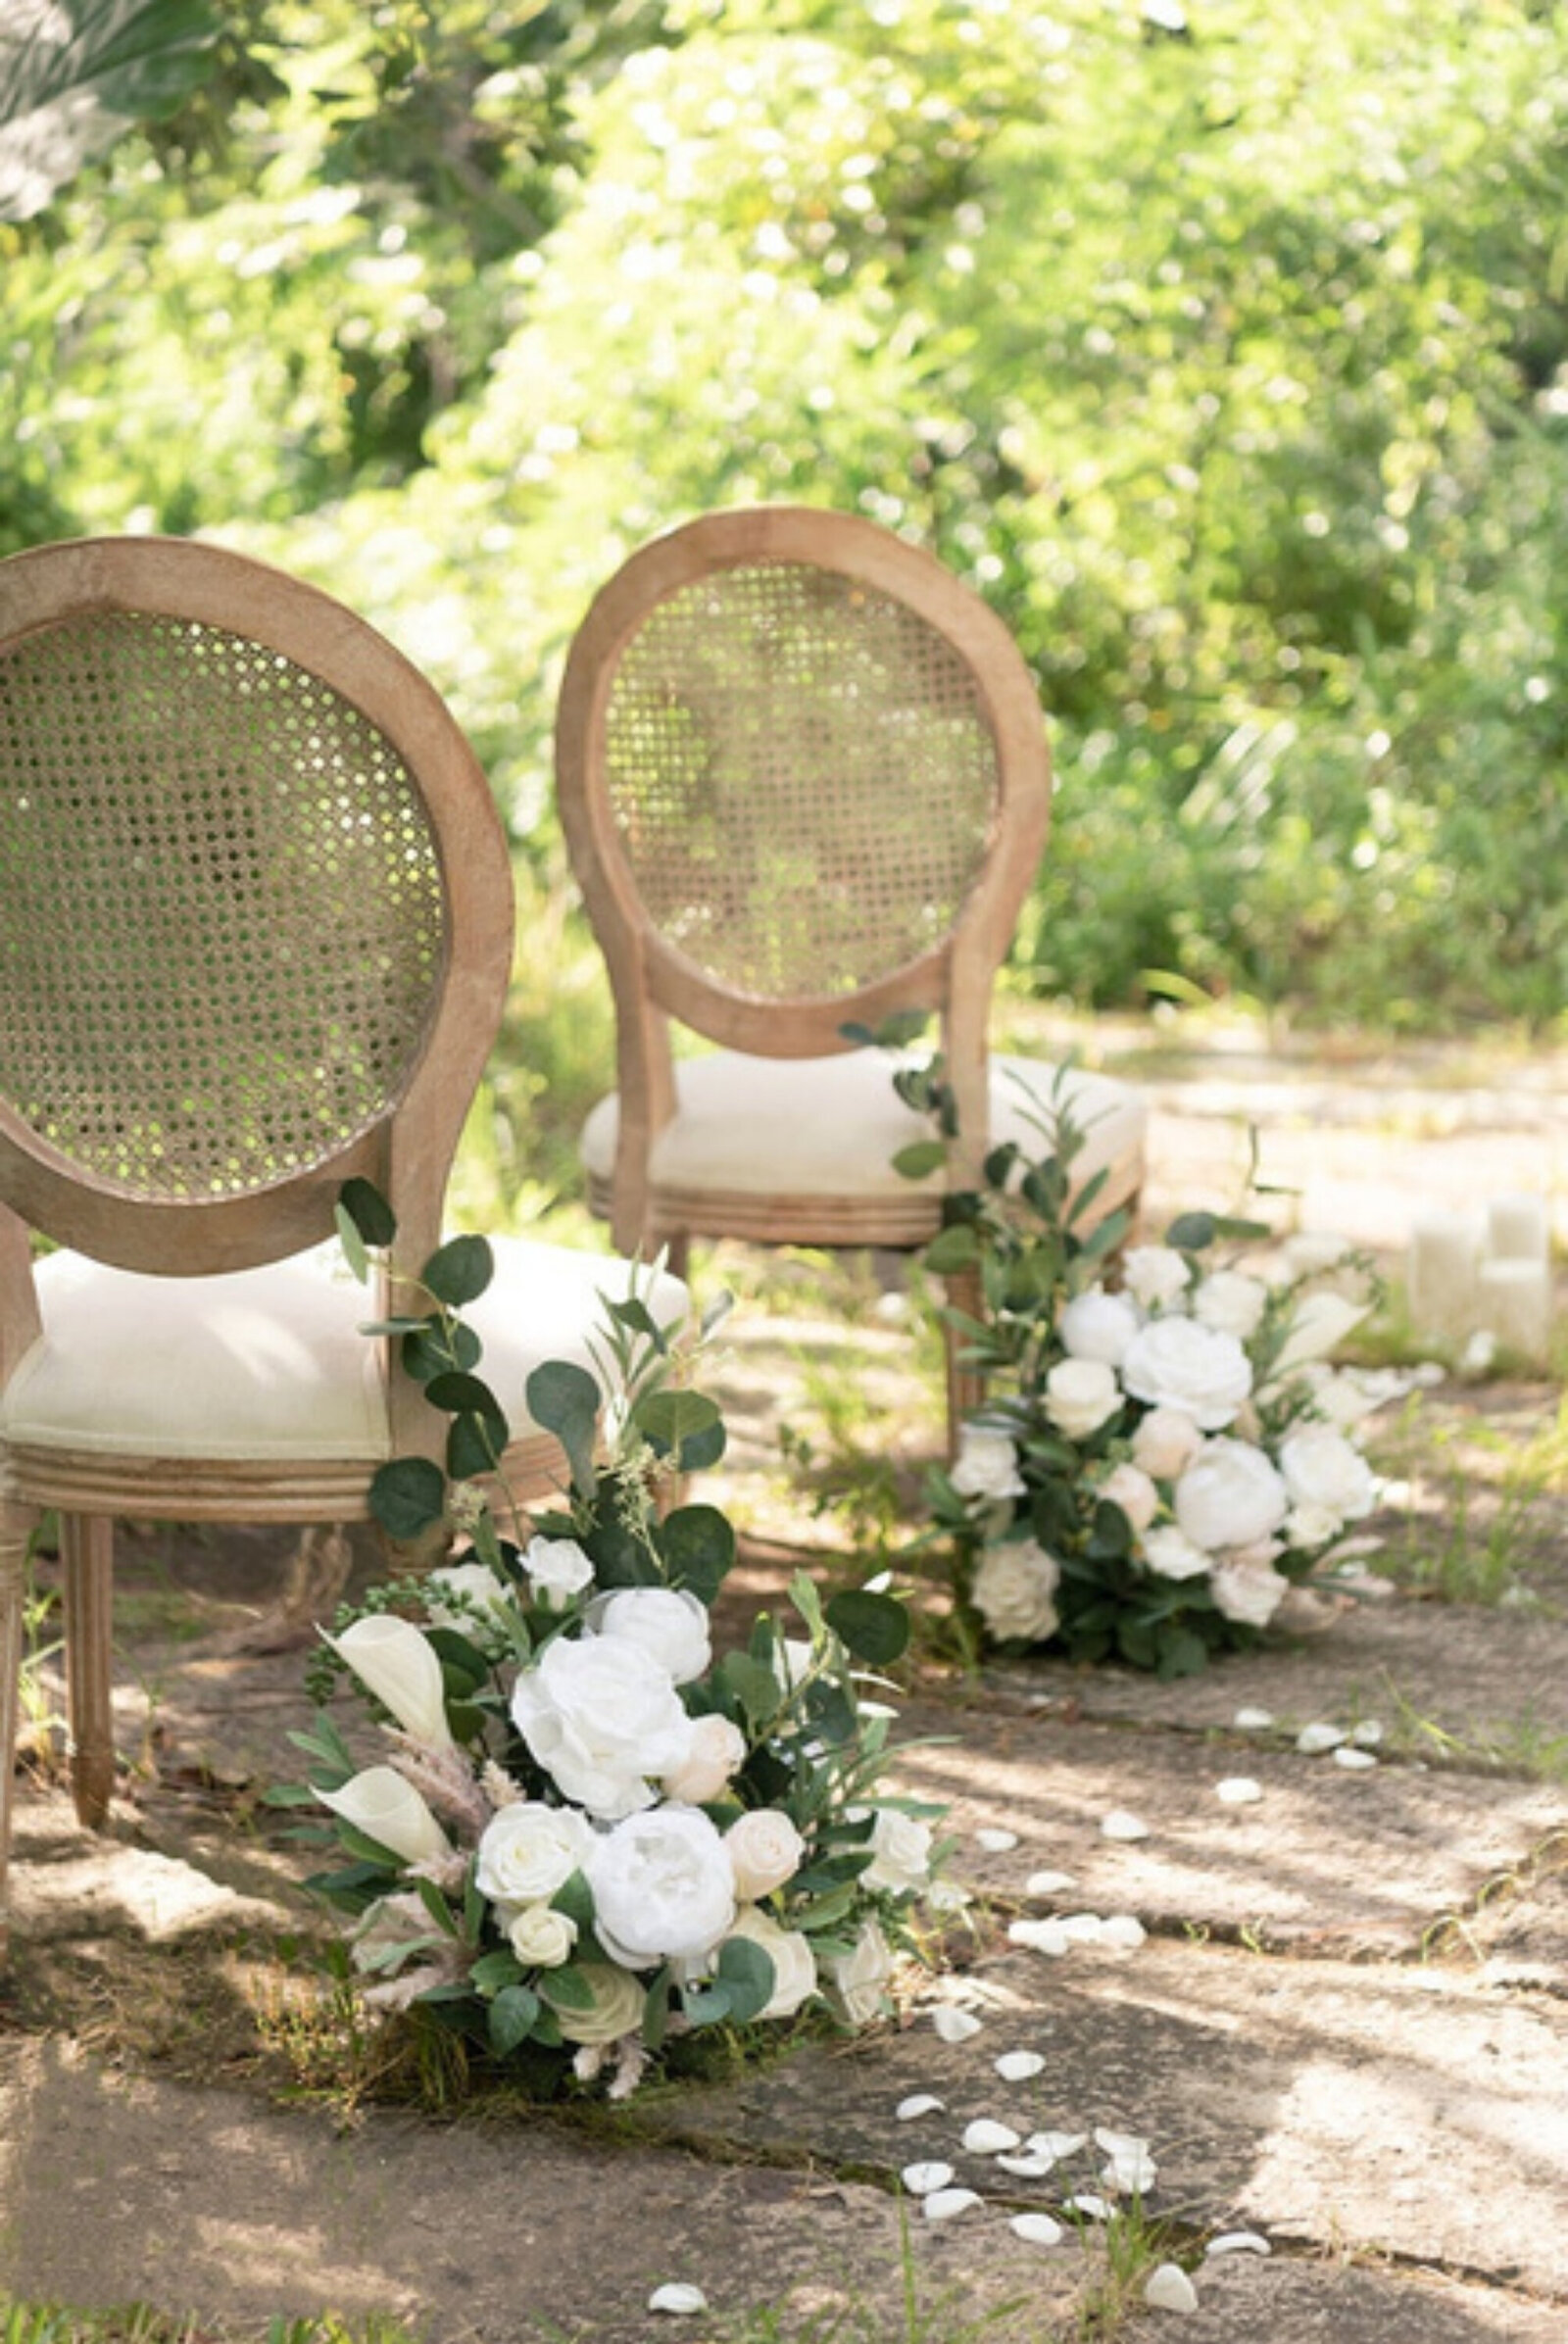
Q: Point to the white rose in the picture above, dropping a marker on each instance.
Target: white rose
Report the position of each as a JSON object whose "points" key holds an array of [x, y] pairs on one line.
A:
{"points": [[1229, 1495], [1232, 1302], [1154, 1275], [474, 1581], [603, 1719], [541, 1938], [664, 1887], [1081, 1394], [1014, 1591], [1098, 1326], [717, 1749], [790, 1952], [668, 1621], [530, 1851], [1306, 1527], [1170, 1553], [1165, 1442], [987, 1465], [1322, 1469], [391, 1812], [1130, 1487], [557, 1568], [765, 1852], [855, 1982], [399, 1665], [1248, 1594], [616, 2008], [1175, 1363], [902, 1861]]}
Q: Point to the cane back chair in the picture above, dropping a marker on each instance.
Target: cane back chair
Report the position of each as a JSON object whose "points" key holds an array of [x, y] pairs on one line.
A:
{"points": [[804, 779], [255, 937]]}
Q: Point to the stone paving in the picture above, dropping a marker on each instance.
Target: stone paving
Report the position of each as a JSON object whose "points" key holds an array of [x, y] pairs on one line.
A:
{"points": [[1345, 2030]]}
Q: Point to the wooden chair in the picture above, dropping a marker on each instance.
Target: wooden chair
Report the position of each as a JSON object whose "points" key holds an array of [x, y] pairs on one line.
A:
{"points": [[804, 779], [255, 937]]}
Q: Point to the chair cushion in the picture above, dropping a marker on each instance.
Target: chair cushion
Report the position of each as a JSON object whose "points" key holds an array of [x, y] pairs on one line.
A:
{"points": [[831, 1127], [269, 1363]]}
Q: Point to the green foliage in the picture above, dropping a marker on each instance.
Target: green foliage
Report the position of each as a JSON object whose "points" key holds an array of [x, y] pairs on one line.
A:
{"points": [[75, 75]]}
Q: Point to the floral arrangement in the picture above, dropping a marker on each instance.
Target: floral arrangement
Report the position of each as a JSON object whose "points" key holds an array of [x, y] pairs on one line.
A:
{"points": [[586, 1831], [1164, 1450]]}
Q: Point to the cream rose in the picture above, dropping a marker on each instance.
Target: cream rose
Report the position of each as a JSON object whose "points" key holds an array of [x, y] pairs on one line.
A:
{"points": [[1175, 1363], [1131, 1488], [1098, 1326], [1250, 1593], [1170, 1553], [1014, 1591], [718, 1751], [1232, 1302], [902, 1852], [1155, 1275], [1081, 1394], [1229, 1495], [541, 1938], [389, 1811], [557, 1568], [765, 1852], [664, 1887], [528, 1850], [616, 2008], [856, 1982], [987, 1465], [668, 1621], [603, 1719], [398, 1665], [1322, 1469], [1165, 1442], [790, 1952]]}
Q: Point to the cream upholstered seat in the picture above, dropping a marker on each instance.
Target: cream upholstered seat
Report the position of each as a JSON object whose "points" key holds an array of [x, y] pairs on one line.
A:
{"points": [[804, 779], [255, 937]]}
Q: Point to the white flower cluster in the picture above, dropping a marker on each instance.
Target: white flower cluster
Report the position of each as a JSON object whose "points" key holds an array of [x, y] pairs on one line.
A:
{"points": [[1215, 1426]]}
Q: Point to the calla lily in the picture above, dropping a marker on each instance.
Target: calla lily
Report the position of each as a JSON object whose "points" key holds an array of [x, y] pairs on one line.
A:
{"points": [[1320, 1325], [395, 1662], [390, 1811]]}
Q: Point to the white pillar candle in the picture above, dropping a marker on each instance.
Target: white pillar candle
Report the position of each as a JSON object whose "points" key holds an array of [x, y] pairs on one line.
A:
{"points": [[1513, 1302], [1516, 1229], [1441, 1273]]}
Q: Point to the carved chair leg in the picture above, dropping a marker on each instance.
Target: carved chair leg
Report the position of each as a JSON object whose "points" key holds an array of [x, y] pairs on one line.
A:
{"points": [[16, 1529], [87, 1552]]}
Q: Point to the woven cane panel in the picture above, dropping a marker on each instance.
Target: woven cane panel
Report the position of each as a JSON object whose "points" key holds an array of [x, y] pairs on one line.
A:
{"points": [[802, 776], [222, 916]]}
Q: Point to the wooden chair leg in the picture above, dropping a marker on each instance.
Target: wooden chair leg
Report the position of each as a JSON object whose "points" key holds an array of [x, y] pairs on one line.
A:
{"points": [[967, 1388], [87, 1553], [16, 1529]]}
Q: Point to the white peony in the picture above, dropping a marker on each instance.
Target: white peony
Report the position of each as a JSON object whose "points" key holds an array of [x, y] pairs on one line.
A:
{"points": [[1322, 1469], [616, 2008], [541, 1938], [1232, 1302], [1155, 1275], [664, 1887], [1170, 1553], [856, 1982], [604, 1720], [399, 1665], [1165, 1442], [557, 1568], [718, 1751], [1250, 1593], [790, 1952], [902, 1852], [1176, 1363], [528, 1850], [987, 1465], [1081, 1394], [386, 1809], [1098, 1326], [1131, 1488], [1229, 1496], [668, 1621], [765, 1852], [1014, 1591]]}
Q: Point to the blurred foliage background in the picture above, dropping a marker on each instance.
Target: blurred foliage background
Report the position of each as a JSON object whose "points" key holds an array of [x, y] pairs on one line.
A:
{"points": [[1223, 348]]}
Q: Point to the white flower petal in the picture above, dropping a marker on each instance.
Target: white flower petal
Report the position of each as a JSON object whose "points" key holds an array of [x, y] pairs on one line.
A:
{"points": [[677, 2296], [1252, 1720], [1368, 1734], [1237, 2242], [1041, 1937], [1027, 2168], [1085, 2203], [1120, 1823], [1082, 1928], [1314, 1739], [1238, 1791], [918, 2103], [1056, 2144], [943, 2204], [996, 1842], [954, 2026], [1038, 2228], [1017, 2066], [1169, 2289], [1354, 1761], [920, 2181], [1131, 2177], [1048, 1884], [985, 2137], [1120, 2144], [1124, 1931]]}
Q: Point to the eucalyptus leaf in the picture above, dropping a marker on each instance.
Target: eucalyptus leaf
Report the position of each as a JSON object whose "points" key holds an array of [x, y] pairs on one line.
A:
{"points": [[407, 1497], [459, 1272], [512, 2019], [875, 1627]]}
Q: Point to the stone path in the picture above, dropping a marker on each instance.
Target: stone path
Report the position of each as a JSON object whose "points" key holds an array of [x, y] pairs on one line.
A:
{"points": [[1346, 2029]]}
